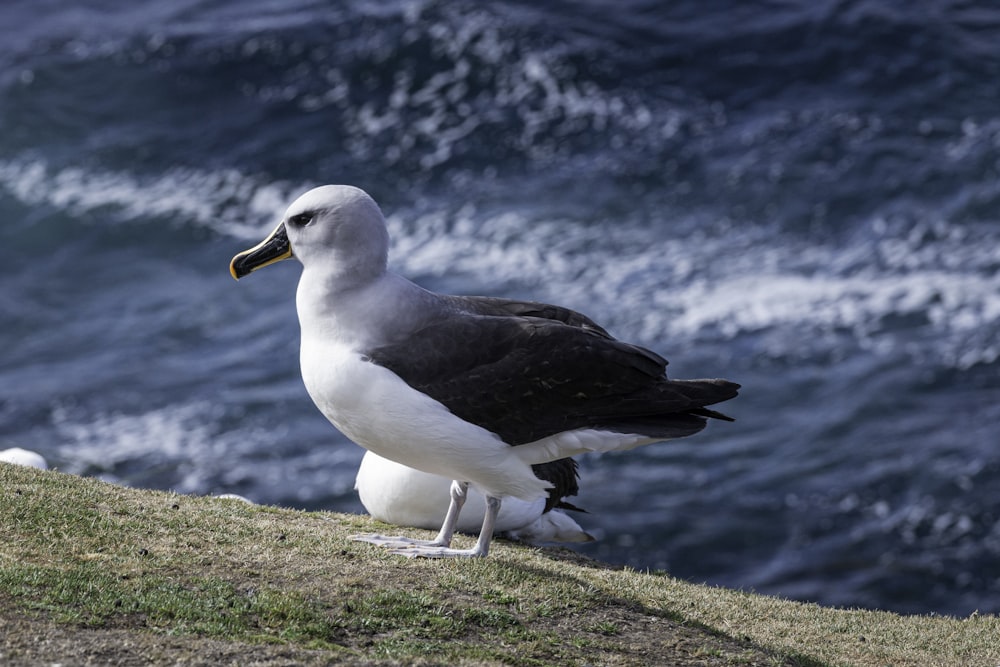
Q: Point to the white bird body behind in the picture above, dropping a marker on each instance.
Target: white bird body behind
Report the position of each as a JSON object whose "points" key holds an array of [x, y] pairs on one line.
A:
{"points": [[24, 457], [404, 496]]}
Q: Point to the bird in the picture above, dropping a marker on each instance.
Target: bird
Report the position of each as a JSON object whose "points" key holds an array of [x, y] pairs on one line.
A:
{"points": [[404, 496], [471, 388], [24, 457]]}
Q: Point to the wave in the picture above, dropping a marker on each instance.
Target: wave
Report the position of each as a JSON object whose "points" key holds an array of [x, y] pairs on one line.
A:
{"points": [[227, 202], [202, 448], [931, 289], [415, 99]]}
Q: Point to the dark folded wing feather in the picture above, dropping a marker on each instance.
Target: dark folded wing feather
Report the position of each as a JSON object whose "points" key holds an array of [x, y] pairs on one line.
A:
{"points": [[526, 371], [563, 476]]}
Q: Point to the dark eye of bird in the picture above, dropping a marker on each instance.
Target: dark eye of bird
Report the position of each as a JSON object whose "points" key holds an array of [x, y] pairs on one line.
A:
{"points": [[301, 219]]}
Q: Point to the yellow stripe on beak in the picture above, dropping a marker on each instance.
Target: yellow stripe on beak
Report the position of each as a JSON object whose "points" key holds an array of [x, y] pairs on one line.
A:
{"points": [[272, 249]]}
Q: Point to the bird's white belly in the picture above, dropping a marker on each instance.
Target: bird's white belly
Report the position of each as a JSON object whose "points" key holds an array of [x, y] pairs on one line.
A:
{"points": [[373, 407]]}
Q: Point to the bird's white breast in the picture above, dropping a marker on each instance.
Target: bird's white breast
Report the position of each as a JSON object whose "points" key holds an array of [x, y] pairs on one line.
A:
{"points": [[375, 408]]}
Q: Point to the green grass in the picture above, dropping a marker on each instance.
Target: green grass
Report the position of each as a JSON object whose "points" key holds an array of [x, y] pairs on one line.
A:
{"points": [[106, 572], [88, 594]]}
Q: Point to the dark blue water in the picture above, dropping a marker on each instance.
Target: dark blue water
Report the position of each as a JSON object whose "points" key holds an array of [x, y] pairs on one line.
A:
{"points": [[801, 197]]}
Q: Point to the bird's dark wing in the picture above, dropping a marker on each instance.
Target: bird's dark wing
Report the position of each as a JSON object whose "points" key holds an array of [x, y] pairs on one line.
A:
{"points": [[488, 305], [528, 377]]}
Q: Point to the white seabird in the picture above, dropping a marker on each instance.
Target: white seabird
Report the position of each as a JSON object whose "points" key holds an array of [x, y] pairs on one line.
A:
{"points": [[24, 457], [404, 496], [474, 389]]}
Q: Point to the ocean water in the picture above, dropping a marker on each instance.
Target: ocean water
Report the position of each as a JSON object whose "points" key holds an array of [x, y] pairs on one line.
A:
{"points": [[800, 197]]}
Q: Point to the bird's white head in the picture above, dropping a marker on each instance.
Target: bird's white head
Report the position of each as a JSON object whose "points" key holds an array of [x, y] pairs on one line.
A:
{"points": [[336, 229]]}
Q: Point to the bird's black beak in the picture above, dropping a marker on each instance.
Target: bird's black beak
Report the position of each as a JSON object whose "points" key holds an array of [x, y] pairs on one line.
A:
{"points": [[272, 249]]}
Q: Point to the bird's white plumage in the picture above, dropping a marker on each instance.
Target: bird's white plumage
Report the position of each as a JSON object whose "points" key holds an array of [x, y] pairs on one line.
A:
{"points": [[373, 407], [579, 441], [553, 526], [404, 496], [24, 457]]}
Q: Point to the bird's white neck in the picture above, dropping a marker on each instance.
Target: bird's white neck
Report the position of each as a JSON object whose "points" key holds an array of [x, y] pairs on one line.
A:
{"points": [[361, 312]]}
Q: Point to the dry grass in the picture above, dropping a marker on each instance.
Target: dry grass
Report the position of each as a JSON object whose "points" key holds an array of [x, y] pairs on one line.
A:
{"points": [[92, 573]]}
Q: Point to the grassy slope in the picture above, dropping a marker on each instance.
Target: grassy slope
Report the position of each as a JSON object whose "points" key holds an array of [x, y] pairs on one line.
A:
{"points": [[91, 572]]}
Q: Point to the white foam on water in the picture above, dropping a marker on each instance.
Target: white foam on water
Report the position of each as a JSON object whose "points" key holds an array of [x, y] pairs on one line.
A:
{"points": [[195, 448], [905, 295], [106, 440], [227, 202], [940, 298], [487, 75], [954, 306], [184, 437]]}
